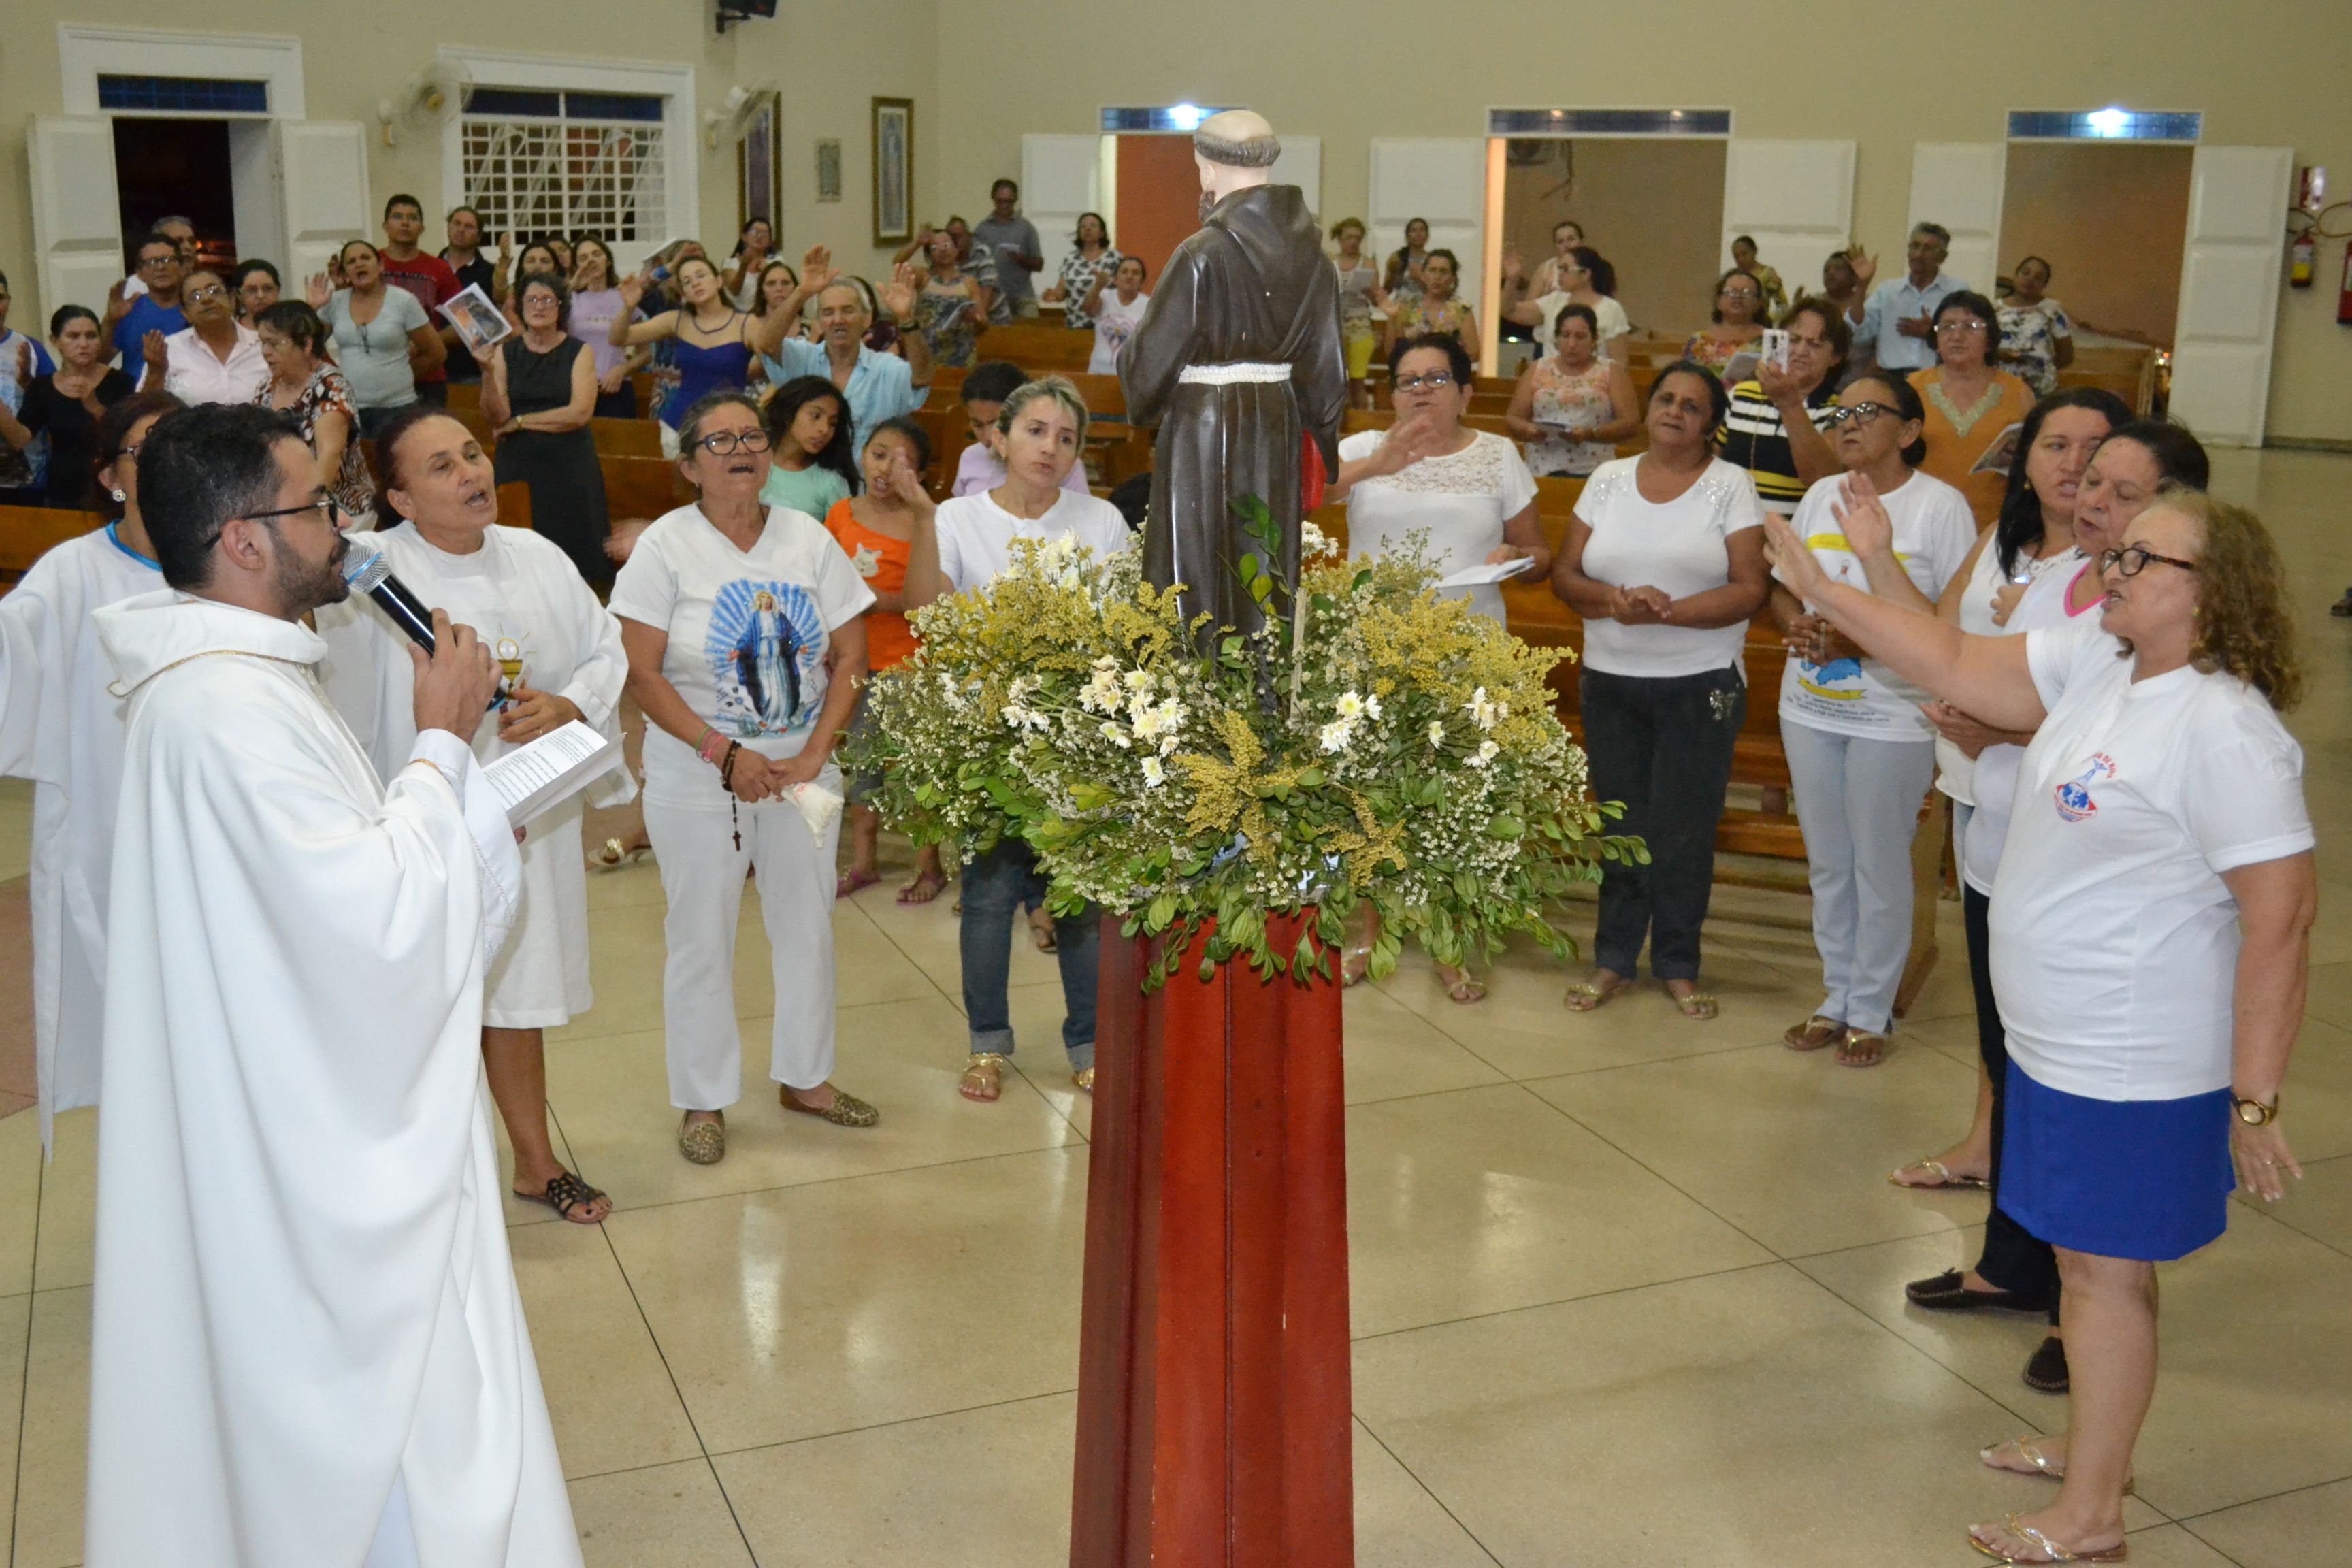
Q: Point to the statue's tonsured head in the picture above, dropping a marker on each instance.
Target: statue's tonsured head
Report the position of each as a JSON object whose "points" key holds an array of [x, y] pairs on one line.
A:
{"points": [[1236, 139]]}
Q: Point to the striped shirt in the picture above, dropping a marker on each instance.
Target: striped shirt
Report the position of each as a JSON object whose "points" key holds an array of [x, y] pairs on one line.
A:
{"points": [[1754, 438]]}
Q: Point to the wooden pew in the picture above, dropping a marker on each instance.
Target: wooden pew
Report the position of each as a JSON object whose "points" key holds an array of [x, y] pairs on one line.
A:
{"points": [[626, 437], [514, 504], [464, 396], [29, 532], [638, 487], [1038, 349]]}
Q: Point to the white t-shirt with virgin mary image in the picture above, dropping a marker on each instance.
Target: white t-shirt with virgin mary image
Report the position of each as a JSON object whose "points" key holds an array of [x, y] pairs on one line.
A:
{"points": [[748, 630]]}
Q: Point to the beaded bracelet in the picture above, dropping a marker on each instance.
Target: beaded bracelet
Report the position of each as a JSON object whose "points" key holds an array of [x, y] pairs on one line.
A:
{"points": [[710, 746]]}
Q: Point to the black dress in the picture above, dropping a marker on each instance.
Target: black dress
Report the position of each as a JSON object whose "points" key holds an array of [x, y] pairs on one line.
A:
{"points": [[73, 437], [567, 487]]}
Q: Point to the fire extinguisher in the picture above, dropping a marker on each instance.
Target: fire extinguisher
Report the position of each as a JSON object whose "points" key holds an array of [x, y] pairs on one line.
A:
{"points": [[2301, 255], [2344, 299]]}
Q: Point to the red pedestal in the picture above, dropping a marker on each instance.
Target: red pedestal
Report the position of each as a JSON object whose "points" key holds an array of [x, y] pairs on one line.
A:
{"points": [[1213, 1374]]}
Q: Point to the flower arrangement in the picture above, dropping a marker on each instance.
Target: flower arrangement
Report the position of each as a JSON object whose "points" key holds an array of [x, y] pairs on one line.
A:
{"points": [[1373, 744]]}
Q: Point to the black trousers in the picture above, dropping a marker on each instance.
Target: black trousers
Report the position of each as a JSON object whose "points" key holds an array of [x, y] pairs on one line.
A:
{"points": [[1662, 746], [2014, 1259]]}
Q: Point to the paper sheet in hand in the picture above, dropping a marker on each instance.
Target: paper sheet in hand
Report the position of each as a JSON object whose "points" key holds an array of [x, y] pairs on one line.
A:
{"points": [[549, 770], [1479, 575]]}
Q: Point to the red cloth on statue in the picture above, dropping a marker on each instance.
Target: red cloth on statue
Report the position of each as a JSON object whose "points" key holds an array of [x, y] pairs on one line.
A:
{"points": [[1311, 476]]}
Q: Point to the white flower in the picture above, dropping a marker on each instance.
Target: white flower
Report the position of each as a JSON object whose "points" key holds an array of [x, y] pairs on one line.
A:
{"points": [[1372, 708], [1115, 735], [1484, 713], [1137, 680], [1154, 775], [1100, 695], [1349, 706], [1486, 753], [1312, 542], [1436, 733], [954, 697], [1337, 734]]}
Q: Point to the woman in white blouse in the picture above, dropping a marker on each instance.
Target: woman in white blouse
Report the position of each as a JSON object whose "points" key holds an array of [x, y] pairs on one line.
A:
{"points": [[2150, 941], [1859, 752], [1468, 490], [1665, 564], [744, 628]]}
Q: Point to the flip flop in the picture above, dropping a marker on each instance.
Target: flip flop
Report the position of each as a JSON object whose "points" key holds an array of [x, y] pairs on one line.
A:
{"points": [[926, 886], [1944, 1178], [849, 883], [2044, 1549]]}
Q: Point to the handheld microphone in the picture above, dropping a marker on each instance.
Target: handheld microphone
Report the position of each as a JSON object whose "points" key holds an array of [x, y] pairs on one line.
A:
{"points": [[372, 574]]}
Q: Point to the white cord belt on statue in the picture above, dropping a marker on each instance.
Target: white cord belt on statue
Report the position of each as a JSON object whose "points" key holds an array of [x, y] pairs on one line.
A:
{"points": [[1227, 374]]}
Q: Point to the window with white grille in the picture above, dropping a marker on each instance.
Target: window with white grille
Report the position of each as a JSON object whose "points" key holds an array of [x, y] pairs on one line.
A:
{"points": [[539, 162]]}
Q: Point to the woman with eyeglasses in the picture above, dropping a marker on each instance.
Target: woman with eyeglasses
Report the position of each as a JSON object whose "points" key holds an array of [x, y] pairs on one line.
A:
{"points": [[61, 727], [1975, 408], [381, 336], [65, 405], [1583, 277], [538, 392], [1435, 312], [1663, 561], [563, 662], [215, 358], [746, 642], [1861, 754], [2150, 933], [1728, 344], [1468, 490], [306, 387], [255, 284]]}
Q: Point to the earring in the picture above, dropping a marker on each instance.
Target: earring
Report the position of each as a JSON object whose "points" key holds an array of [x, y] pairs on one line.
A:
{"points": [[118, 495]]}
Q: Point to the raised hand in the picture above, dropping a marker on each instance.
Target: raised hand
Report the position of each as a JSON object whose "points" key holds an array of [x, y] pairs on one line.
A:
{"points": [[1409, 441], [117, 306], [151, 350], [816, 270], [1865, 266], [1514, 271], [632, 289], [506, 245], [319, 291], [907, 485], [23, 362], [1861, 516], [898, 295], [1791, 561]]}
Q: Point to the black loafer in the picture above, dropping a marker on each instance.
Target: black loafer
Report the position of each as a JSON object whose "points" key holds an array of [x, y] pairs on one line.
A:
{"points": [[2046, 1371], [1945, 1293]]}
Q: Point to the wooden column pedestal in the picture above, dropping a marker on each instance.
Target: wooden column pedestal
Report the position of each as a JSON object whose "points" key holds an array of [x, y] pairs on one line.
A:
{"points": [[1214, 1427]]}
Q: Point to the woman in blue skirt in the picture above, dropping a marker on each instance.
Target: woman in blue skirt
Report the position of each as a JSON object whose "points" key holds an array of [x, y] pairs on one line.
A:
{"points": [[2150, 931]]}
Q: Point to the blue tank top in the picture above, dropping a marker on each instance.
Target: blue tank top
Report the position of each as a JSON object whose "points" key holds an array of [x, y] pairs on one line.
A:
{"points": [[724, 367]]}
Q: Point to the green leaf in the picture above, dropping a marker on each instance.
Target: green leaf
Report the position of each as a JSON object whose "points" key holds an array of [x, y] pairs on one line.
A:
{"points": [[1506, 827]]}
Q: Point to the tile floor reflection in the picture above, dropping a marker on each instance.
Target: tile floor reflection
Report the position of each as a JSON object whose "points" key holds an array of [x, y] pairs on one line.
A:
{"points": [[1627, 1289]]}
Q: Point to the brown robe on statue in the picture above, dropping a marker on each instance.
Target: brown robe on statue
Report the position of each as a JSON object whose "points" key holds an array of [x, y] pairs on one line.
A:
{"points": [[1253, 287]]}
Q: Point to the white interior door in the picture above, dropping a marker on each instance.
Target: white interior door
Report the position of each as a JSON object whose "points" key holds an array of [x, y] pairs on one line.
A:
{"points": [[1061, 176], [1301, 165], [1440, 180], [1958, 184], [322, 179], [2229, 292], [77, 219], [1795, 198]]}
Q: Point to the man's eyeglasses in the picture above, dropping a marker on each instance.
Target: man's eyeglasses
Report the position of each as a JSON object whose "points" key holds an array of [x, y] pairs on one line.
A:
{"points": [[147, 261], [1860, 413], [1436, 380], [2132, 559], [321, 503], [727, 442]]}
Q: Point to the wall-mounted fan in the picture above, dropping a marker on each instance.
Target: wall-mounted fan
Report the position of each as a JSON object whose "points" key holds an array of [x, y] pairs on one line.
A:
{"points": [[426, 101], [731, 121]]}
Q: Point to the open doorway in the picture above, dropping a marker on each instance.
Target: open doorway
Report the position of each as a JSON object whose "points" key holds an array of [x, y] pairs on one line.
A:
{"points": [[176, 168], [2112, 221], [1652, 206]]}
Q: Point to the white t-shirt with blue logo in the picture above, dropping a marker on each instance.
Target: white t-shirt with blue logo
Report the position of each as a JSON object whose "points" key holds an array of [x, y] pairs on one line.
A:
{"points": [[2114, 941], [1934, 530], [749, 632]]}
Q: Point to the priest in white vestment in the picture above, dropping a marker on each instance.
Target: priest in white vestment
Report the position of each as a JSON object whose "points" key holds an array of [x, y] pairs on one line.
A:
{"points": [[307, 1348], [61, 728], [560, 652]]}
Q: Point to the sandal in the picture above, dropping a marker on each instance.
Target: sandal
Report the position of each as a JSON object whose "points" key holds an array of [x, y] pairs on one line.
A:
{"points": [[1593, 991], [983, 1076], [565, 1193], [1862, 1048], [1944, 1178], [704, 1142], [2029, 1450], [926, 886], [1462, 986], [847, 884], [1693, 1003], [847, 1109], [1815, 1032], [615, 854], [2046, 1550], [1085, 1078]]}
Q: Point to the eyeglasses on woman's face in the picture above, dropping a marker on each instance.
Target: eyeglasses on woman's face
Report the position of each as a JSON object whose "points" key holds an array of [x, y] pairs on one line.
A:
{"points": [[725, 443], [2133, 559], [1957, 324], [1430, 381], [1860, 413], [209, 291]]}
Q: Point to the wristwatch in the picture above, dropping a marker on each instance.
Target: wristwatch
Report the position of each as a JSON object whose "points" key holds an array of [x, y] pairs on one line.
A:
{"points": [[2255, 1112]]}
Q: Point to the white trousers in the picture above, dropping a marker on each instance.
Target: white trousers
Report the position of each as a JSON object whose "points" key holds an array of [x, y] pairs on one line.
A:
{"points": [[1858, 802], [702, 875]]}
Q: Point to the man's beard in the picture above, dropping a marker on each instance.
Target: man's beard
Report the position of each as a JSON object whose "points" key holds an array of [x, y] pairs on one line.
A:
{"points": [[301, 587]]}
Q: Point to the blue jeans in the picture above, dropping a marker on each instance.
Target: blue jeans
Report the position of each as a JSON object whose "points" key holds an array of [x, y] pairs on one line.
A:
{"points": [[996, 887]]}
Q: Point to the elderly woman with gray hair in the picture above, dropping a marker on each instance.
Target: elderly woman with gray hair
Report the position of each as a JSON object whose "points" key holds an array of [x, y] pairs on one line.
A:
{"points": [[2151, 930]]}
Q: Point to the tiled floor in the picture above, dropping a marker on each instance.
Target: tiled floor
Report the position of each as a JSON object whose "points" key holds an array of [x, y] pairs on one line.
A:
{"points": [[1627, 1289]]}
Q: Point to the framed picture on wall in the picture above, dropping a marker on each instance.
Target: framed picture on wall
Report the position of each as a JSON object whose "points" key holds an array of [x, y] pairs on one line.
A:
{"points": [[894, 171], [828, 170], [759, 172]]}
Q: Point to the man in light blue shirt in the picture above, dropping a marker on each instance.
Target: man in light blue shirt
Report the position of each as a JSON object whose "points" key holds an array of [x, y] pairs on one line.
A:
{"points": [[876, 386], [1896, 318]]}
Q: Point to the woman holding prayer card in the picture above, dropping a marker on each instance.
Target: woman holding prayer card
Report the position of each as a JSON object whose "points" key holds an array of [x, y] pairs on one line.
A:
{"points": [[562, 661]]}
